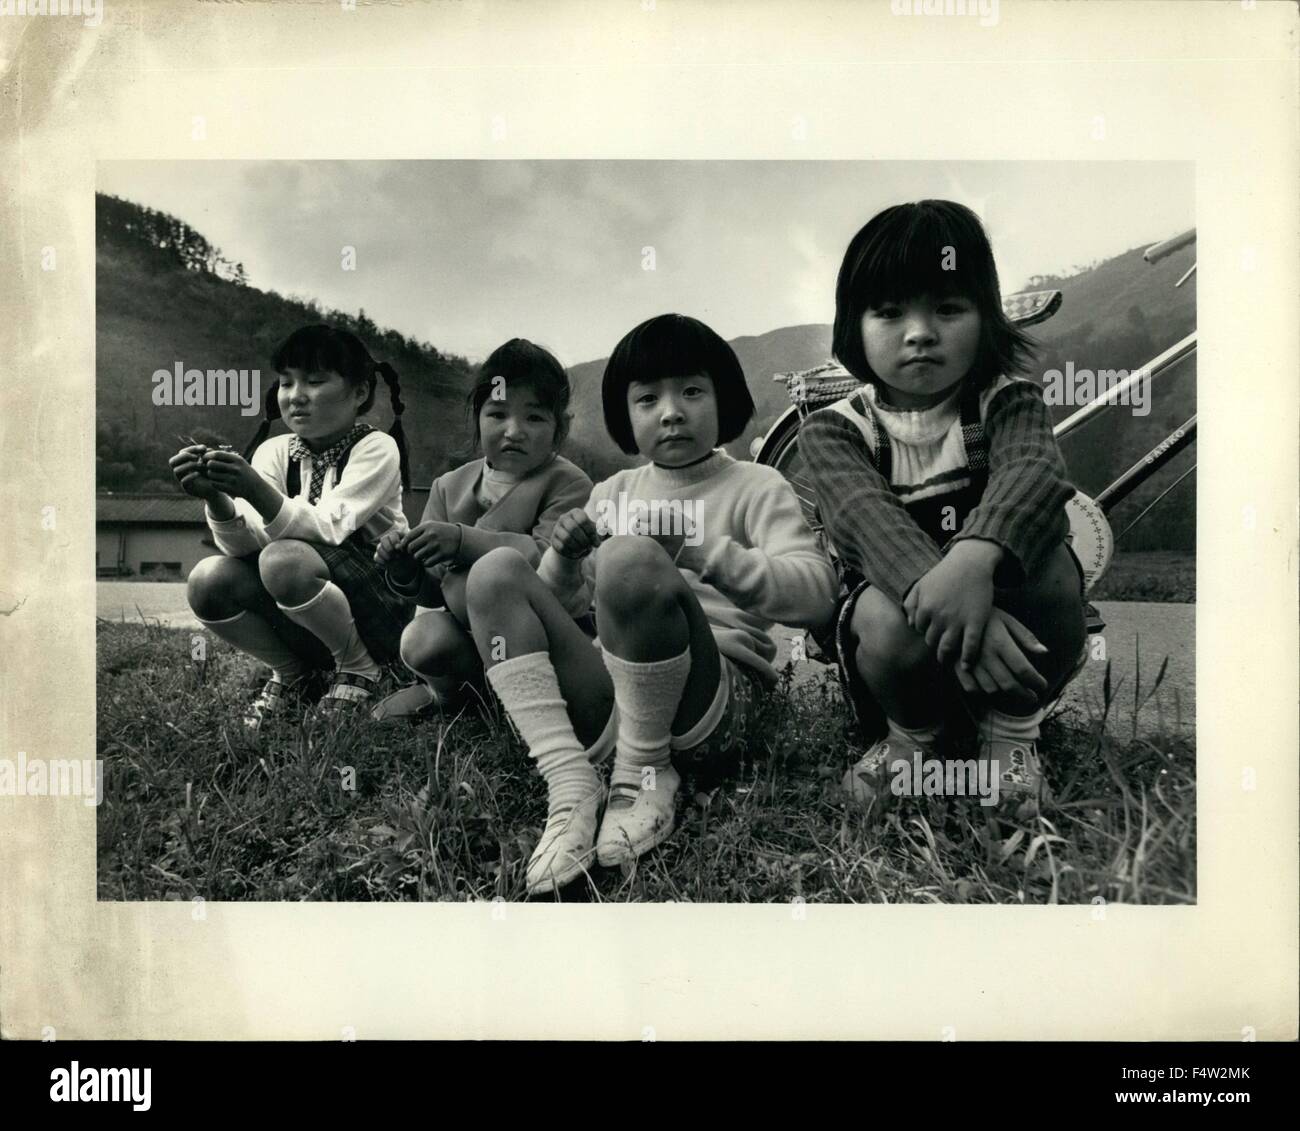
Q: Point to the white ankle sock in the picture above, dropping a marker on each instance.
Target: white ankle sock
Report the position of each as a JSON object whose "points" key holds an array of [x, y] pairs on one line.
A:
{"points": [[252, 634], [530, 692], [1010, 728], [648, 695], [910, 739], [329, 617]]}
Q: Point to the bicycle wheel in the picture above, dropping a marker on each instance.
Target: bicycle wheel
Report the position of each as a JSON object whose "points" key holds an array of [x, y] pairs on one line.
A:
{"points": [[781, 450]]}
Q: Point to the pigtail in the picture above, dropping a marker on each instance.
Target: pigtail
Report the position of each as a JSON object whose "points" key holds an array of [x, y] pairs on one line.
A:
{"points": [[398, 433], [271, 412]]}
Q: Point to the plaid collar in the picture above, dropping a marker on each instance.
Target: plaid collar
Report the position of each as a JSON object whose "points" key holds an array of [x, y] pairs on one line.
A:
{"points": [[298, 450]]}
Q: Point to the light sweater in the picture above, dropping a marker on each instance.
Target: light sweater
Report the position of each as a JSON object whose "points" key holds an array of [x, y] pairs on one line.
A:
{"points": [[366, 498], [756, 563]]}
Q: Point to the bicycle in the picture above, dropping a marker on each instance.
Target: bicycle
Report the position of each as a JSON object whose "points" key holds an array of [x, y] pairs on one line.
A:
{"points": [[1090, 536]]}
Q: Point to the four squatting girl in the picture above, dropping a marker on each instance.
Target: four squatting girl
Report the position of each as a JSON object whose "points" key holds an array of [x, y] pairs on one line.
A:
{"points": [[943, 491], [519, 408], [682, 613], [296, 585]]}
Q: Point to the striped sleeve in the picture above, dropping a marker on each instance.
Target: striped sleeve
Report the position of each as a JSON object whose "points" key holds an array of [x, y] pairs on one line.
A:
{"points": [[868, 526], [1023, 505]]}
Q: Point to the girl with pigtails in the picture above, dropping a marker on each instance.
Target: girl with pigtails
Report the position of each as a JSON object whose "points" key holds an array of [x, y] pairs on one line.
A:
{"points": [[297, 519]]}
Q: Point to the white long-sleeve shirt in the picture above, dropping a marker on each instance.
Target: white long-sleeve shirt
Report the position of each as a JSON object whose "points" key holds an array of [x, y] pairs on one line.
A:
{"points": [[367, 497], [755, 562]]}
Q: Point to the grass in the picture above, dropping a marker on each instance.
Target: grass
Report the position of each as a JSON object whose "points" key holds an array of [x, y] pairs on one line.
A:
{"points": [[1148, 575], [400, 812]]}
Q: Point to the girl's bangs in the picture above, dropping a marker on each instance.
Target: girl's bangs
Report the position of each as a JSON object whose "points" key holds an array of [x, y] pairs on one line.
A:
{"points": [[312, 351], [925, 259], [668, 347]]}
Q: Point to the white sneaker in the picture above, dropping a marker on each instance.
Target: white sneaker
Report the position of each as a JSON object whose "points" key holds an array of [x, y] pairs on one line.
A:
{"points": [[405, 703], [1022, 788], [566, 847], [629, 831], [867, 780]]}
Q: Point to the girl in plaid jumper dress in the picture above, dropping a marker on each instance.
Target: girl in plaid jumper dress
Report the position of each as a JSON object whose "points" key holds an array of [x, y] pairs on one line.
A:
{"points": [[942, 489], [297, 519]]}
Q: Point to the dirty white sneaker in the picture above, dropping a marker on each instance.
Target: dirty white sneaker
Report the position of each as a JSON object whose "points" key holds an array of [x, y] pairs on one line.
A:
{"points": [[632, 829], [867, 780], [1010, 742], [1022, 788], [566, 847]]}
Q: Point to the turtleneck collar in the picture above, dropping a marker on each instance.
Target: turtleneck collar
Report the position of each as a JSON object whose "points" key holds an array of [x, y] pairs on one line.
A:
{"points": [[706, 468], [915, 425]]}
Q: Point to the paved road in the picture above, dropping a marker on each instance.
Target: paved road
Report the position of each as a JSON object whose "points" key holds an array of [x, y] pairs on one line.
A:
{"points": [[1135, 631]]}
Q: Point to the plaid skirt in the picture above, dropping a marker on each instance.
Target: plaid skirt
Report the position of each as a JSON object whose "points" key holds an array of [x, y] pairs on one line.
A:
{"points": [[379, 613]]}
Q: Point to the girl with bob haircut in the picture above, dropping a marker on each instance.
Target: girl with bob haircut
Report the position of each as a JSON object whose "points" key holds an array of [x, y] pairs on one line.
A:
{"points": [[297, 518], [676, 344], [510, 496], [688, 558], [942, 489]]}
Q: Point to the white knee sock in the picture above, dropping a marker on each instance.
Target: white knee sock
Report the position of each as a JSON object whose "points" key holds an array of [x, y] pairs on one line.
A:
{"points": [[530, 692], [252, 634], [329, 617], [648, 695]]}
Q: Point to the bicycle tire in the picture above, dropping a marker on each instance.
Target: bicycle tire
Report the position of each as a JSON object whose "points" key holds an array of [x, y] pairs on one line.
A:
{"points": [[781, 450]]}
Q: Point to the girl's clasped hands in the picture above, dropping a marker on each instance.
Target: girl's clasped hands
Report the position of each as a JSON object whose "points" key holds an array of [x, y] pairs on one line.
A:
{"points": [[206, 472], [430, 544]]}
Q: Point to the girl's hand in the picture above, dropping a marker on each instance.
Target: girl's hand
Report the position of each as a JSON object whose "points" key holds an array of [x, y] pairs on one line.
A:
{"points": [[574, 534], [1003, 662], [951, 603], [389, 547], [432, 543], [188, 467], [232, 473]]}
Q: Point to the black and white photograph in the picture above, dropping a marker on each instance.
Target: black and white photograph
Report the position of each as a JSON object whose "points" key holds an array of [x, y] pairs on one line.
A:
{"points": [[648, 522], [712, 531]]}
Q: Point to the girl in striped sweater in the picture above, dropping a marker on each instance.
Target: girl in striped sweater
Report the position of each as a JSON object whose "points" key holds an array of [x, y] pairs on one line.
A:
{"points": [[943, 491]]}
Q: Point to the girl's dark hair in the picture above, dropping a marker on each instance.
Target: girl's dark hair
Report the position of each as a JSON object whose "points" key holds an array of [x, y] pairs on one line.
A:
{"points": [[521, 364], [317, 348], [674, 345], [932, 247]]}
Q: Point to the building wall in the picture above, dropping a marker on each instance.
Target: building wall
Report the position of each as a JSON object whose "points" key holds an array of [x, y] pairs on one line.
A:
{"points": [[182, 545]]}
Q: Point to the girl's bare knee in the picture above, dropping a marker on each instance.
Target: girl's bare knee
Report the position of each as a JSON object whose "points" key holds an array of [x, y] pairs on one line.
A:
{"points": [[424, 644], [290, 570], [886, 643], [218, 587], [414, 650], [495, 577], [635, 575]]}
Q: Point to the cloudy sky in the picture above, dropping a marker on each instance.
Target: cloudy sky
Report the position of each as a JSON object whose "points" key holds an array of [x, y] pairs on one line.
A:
{"points": [[466, 254]]}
